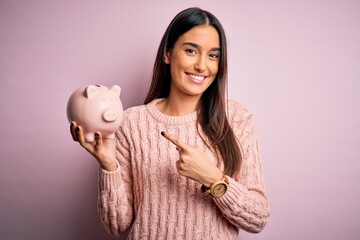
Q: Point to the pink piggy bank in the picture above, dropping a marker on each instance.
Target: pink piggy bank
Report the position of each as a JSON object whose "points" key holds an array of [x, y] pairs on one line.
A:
{"points": [[96, 108]]}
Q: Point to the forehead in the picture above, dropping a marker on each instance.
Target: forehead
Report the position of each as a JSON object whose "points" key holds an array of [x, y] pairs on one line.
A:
{"points": [[205, 36]]}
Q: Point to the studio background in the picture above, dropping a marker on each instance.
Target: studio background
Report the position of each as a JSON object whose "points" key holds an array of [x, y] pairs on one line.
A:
{"points": [[294, 64]]}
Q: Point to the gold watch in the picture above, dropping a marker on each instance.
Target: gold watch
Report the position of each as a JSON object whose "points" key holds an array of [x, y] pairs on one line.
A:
{"points": [[217, 189]]}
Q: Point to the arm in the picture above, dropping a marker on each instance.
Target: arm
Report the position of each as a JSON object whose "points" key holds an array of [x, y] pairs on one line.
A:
{"points": [[245, 203], [115, 194]]}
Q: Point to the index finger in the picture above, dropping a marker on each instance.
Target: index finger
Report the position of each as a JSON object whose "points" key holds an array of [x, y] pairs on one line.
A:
{"points": [[174, 140]]}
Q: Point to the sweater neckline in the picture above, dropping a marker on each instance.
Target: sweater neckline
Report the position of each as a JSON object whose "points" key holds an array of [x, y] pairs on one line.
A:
{"points": [[172, 120]]}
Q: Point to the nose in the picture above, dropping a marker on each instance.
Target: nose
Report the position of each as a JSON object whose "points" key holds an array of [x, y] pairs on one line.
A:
{"points": [[110, 115], [200, 65]]}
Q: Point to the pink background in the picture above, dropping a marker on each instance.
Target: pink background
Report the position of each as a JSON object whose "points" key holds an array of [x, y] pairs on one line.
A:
{"points": [[295, 64]]}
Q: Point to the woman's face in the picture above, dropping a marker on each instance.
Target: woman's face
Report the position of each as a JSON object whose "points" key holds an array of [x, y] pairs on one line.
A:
{"points": [[194, 61]]}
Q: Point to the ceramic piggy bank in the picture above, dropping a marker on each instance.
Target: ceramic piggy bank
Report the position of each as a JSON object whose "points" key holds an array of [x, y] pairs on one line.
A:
{"points": [[96, 108]]}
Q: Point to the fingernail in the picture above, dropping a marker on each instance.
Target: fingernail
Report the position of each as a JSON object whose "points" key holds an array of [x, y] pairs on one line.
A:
{"points": [[77, 129], [163, 133]]}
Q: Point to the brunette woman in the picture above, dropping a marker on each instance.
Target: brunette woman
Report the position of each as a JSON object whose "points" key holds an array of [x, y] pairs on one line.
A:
{"points": [[186, 164]]}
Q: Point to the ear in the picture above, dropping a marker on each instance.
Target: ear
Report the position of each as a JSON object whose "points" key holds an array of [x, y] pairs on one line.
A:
{"points": [[91, 91], [116, 90], [167, 57]]}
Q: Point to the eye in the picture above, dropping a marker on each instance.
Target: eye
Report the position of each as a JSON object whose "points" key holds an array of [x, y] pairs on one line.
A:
{"points": [[190, 51], [214, 55]]}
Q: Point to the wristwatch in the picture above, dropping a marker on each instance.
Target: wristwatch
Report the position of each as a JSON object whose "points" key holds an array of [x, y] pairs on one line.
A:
{"points": [[217, 189]]}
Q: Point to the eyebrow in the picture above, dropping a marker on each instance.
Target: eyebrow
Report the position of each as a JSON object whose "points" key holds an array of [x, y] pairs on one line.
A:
{"points": [[198, 46]]}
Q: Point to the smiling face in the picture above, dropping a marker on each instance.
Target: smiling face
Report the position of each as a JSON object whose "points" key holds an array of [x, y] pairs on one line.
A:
{"points": [[194, 61]]}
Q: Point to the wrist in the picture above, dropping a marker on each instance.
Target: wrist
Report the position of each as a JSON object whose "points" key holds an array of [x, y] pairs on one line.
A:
{"points": [[215, 177], [218, 188], [110, 167]]}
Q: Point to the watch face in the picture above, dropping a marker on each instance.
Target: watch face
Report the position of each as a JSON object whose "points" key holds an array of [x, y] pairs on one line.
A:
{"points": [[219, 189]]}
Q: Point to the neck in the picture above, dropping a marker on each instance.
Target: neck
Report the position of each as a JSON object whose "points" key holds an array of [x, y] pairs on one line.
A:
{"points": [[175, 106]]}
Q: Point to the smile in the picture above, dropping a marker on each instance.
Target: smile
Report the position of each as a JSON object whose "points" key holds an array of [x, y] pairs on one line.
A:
{"points": [[196, 78]]}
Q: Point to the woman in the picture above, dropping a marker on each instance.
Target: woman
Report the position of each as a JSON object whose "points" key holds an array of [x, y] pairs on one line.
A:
{"points": [[202, 179]]}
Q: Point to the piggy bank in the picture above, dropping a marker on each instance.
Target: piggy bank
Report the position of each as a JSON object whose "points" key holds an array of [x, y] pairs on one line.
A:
{"points": [[96, 108]]}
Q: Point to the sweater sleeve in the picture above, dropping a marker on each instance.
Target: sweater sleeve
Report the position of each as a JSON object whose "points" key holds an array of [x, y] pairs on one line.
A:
{"points": [[115, 194], [245, 204]]}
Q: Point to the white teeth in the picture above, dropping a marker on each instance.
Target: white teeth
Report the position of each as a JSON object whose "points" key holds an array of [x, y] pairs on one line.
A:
{"points": [[199, 78]]}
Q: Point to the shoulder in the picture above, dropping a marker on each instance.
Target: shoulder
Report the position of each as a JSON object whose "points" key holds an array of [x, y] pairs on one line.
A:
{"points": [[134, 116], [132, 119], [241, 121], [133, 112], [237, 112], [140, 112]]}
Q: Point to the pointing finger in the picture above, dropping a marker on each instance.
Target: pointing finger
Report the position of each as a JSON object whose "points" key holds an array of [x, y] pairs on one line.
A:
{"points": [[179, 144]]}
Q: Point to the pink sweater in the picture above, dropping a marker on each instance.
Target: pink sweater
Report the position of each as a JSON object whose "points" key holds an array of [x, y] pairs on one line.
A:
{"points": [[147, 197]]}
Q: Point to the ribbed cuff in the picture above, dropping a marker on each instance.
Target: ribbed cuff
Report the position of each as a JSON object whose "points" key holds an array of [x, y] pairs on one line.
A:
{"points": [[231, 197], [109, 180]]}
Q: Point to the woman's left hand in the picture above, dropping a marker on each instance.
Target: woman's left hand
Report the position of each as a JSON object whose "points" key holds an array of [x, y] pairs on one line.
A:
{"points": [[193, 163]]}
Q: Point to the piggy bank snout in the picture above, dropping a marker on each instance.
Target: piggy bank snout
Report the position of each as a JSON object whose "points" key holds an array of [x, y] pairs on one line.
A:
{"points": [[110, 115]]}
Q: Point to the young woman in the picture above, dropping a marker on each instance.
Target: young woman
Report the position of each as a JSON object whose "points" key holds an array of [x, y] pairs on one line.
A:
{"points": [[185, 165]]}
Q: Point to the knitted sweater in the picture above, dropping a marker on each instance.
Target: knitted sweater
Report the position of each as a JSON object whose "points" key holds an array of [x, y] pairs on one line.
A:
{"points": [[149, 199]]}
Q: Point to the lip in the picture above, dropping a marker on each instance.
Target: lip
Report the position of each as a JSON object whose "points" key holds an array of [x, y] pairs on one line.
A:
{"points": [[196, 78]]}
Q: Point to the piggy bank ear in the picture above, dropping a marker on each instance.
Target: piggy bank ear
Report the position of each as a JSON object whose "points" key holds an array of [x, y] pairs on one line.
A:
{"points": [[115, 90], [91, 91]]}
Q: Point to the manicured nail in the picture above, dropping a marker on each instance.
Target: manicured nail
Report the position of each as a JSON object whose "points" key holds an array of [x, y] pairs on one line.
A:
{"points": [[163, 133]]}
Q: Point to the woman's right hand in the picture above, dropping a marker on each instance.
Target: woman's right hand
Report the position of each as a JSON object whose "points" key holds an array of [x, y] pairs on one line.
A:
{"points": [[102, 150]]}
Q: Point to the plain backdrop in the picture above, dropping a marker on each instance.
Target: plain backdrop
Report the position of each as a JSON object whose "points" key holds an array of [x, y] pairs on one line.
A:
{"points": [[294, 64]]}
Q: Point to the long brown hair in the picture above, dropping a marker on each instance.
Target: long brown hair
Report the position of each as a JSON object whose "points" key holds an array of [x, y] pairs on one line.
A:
{"points": [[211, 110]]}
